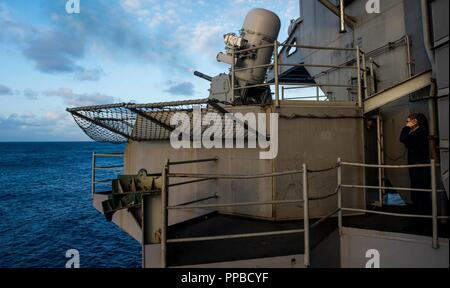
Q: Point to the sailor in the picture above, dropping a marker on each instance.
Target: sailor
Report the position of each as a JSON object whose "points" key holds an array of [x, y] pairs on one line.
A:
{"points": [[415, 137]]}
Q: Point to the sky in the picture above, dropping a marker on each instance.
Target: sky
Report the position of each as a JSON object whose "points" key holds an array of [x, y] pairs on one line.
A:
{"points": [[113, 51]]}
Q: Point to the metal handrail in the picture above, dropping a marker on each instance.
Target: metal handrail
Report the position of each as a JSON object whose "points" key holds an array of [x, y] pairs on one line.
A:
{"points": [[234, 177], [118, 154], [95, 168], [319, 47], [318, 66], [236, 236], [111, 168], [166, 208], [385, 188], [193, 161], [307, 227], [278, 202], [433, 190], [386, 166], [323, 85], [393, 214], [191, 182], [289, 84], [362, 91], [295, 46]]}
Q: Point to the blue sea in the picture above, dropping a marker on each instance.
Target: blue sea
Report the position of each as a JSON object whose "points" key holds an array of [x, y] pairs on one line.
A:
{"points": [[46, 209]]}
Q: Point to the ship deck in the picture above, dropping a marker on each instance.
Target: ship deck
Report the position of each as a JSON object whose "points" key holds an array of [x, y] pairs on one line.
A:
{"points": [[215, 251]]}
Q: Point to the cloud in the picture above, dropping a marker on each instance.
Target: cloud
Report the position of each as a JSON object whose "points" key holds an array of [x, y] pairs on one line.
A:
{"points": [[5, 90], [208, 39], [131, 5], [55, 116], [15, 121], [61, 46], [51, 126], [12, 31], [81, 99], [54, 51], [165, 33], [183, 89], [292, 11], [157, 13], [83, 74], [30, 94]]}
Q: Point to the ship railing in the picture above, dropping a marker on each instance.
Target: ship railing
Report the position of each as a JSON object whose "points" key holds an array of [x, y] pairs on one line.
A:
{"points": [[166, 175], [112, 168], [433, 191], [306, 199], [360, 68]]}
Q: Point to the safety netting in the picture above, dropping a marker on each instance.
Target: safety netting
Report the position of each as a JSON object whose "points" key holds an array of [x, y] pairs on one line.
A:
{"points": [[118, 123]]}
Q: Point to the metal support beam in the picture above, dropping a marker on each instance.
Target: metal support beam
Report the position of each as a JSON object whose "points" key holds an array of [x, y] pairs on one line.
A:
{"points": [[339, 180], [398, 91], [277, 74], [342, 16], [223, 111], [307, 258], [380, 146], [350, 21], [93, 174], [434, 203], [358, 64], [164, 213], [151, 119]]}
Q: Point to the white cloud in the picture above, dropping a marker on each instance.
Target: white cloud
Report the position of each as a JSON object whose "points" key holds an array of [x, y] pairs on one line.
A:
{"points": [[81, 99], [50, 126], [131, 4], [55, 116], [156, 13]]}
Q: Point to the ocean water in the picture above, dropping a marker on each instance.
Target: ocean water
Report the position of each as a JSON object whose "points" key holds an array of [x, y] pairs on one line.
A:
{"points": [[46, 209]]}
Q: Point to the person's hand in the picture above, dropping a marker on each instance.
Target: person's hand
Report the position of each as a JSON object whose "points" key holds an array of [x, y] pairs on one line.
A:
{"points": [[411, 123]]}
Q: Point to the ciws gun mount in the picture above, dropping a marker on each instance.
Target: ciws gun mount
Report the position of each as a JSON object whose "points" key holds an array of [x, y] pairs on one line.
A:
{"points": [[261, 27]]}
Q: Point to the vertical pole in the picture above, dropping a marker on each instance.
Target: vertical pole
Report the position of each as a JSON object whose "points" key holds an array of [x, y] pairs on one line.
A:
{"points": [[372, 76], [318, 93], [408, 52], [93, 174], [380, 161], [276, 72], [342, 16], [358, 65], [364, 67], [434, 204], [306, 215], [282, 93], [143, 230], [164, 218], [233, 67], [339, 180]]}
